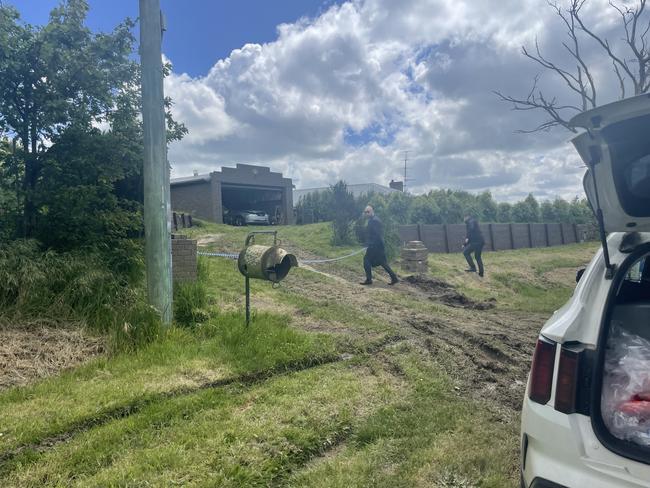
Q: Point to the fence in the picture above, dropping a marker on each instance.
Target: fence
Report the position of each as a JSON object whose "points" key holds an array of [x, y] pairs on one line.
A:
{"points": [[498, 237], [181, 221]]}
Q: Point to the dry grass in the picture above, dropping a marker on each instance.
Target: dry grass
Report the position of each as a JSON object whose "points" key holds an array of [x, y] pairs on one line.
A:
{"points": [[28, 354]]}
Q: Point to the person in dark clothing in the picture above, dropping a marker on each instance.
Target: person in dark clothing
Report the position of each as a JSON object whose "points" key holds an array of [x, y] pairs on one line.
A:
{"points": [[376, 253], [474, 243]]}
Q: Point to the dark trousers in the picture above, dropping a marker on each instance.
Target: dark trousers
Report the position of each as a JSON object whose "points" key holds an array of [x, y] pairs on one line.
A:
{"points": [[477, 249], [367, 266]]}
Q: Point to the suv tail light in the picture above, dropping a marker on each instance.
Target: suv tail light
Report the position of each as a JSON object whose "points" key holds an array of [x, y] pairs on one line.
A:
{"points": [[566, 388], [541, 373]]}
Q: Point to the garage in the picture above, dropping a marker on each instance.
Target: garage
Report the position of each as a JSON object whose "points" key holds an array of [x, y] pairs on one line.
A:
{"points": [[237, 198], [227, 196]]}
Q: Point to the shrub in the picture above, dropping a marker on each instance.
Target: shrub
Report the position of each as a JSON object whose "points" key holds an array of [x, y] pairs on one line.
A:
{"points": [[344, 210]]}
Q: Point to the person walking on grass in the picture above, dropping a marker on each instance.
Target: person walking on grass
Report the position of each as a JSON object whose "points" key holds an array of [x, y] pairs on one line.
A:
{"points": [[376, 253], [474, 243]]}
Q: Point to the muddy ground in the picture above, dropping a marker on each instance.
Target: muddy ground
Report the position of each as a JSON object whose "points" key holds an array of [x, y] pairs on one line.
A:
{"points": [[487, 351]]}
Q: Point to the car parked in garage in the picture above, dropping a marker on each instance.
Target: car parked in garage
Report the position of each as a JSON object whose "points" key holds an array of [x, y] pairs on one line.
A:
{"points": [[586, 412], [246, 217]]}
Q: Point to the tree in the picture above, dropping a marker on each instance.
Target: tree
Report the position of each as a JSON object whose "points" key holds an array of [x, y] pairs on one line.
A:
{"points": [[488, 209], [547, 212], [57, 83], [344, 212], [581, 212], [630, 62], [562, 210], [55, 77], [526, 210], [451, 210], [504, 212], [424, 211], [398, 206]]}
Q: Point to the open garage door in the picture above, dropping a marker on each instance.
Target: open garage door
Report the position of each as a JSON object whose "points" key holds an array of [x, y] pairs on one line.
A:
{"points": [[269, 200]]}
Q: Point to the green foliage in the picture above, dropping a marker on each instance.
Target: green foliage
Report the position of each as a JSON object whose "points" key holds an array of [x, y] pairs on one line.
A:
{"points": [[398, 206], [526, 210], [315, 207], [445, 207], [75, 286], [344, 210], [425, 210], [191, 298], [504, 212], [82, 188], [74, 187]]}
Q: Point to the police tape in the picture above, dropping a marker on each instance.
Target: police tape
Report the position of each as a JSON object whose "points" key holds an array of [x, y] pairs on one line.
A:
{"points": [[331, 260], [218, 254], [304, 261]]}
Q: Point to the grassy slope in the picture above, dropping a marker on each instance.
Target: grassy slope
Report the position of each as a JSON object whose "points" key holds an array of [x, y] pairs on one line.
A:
{"points": [[189, 409]]}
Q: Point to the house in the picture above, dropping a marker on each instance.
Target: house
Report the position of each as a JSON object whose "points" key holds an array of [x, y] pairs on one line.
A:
{"points": [[245, 187]]}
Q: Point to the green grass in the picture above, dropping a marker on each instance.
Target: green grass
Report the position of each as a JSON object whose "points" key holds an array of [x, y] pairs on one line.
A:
{"points": [[347, 424], [314, 238], [220, 404], [223, 348], [517, 279], [220, 437], [428, 436]]}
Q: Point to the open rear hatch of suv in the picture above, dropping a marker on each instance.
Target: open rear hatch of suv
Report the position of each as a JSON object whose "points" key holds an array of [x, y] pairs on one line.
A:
{"points": [[615, 146]]}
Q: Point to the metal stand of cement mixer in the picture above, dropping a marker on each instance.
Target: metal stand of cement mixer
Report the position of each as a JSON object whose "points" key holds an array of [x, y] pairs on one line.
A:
{"points": [[251, 238]]}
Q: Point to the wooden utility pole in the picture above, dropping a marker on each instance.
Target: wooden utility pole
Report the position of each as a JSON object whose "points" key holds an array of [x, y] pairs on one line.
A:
{"points": [[157, 223]]}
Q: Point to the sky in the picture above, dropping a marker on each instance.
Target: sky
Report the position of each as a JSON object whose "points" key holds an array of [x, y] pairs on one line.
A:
{"points": [[328, 90]]}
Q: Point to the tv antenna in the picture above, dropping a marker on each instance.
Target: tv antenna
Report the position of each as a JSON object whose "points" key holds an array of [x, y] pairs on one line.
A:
{"points": [[406, 168]]}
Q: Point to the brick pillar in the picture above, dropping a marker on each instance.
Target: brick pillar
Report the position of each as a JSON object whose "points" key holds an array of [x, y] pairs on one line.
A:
{"points": [[184, 258], [414, 257]]}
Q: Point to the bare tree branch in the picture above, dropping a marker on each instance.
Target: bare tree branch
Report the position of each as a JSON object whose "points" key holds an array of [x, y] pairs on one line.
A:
{"points": [[632, 67], [537, 101], [604, 43], [621, 79]]}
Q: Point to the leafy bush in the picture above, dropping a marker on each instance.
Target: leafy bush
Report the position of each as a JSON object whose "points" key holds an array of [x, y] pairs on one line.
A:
{"points": [[344, 210]]}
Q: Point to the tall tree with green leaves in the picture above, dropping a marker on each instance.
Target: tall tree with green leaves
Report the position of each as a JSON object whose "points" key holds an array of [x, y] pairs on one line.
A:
{"points": [[58, 84], [55, 77]]}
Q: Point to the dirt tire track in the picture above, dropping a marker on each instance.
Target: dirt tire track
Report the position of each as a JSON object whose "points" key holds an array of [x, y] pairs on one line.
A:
{"points": [[123, 411], [486, 352]]}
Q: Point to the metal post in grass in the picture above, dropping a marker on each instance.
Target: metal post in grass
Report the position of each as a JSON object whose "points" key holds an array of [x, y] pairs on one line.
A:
{"points": [[157, 212]]}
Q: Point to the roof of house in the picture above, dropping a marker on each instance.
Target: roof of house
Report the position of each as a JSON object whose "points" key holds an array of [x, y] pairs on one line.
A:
{"points": [[189, 179], [356, 189]]}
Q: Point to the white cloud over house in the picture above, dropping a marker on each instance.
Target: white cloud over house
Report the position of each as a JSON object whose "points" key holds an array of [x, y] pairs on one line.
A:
{"points": [[343, 95]]}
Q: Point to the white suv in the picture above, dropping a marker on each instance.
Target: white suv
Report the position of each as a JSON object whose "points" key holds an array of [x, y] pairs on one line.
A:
{"points": [[586, 413]]}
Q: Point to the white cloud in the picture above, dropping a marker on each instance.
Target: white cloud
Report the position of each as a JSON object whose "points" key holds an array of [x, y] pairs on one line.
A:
{"points": [[344, 94]]}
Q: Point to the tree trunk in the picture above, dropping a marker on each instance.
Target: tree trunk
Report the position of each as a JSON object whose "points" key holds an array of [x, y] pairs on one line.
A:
{"points": [[29, 183]]}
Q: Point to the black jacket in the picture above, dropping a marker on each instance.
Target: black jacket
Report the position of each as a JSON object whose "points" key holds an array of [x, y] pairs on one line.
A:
{"points": [[376, 252], [474, 234]]}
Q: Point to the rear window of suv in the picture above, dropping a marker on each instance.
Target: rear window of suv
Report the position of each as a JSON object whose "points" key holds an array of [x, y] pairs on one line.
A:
{"points": [[629, 146]]}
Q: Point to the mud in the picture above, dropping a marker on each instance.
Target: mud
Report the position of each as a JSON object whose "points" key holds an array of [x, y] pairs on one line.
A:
{"points": [[444, 292], [486, 352]]}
